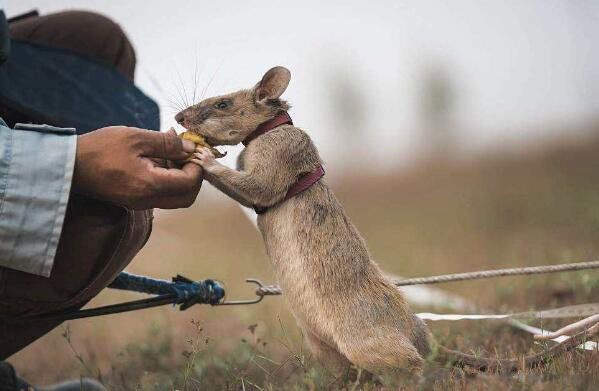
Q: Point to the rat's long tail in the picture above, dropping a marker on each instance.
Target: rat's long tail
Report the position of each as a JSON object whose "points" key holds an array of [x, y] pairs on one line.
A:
{"points": [[510, 365]]}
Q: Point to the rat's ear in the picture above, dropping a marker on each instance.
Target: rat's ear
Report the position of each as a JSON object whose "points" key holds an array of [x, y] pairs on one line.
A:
{"points": [[273, 84]]}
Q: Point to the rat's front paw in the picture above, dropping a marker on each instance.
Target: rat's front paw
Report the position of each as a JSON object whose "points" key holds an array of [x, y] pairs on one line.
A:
{"points": [[204, 157]]}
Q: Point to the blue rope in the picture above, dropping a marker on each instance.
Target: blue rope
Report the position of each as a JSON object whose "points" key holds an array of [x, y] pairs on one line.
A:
{"points": [[185, 291], [180, 291]]}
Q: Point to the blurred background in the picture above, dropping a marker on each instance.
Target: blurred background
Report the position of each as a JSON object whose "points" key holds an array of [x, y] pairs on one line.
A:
{"points": [[402, 78], [459, 135]]}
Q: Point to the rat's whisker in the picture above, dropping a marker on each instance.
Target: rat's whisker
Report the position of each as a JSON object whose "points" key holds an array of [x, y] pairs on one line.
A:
{"points": [[173, 105], [212, 78], [179, 88], [167, 96], [179, 96], [173, 101], [182, 85], [195, 81]]}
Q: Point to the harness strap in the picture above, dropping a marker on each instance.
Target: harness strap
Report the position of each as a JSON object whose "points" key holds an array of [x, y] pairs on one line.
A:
{"points": [[303, 183], [305, 180]]}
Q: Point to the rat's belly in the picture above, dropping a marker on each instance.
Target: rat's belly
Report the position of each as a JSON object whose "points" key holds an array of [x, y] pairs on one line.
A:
{"points": [[314, 266], [304, 301], [298, 280]]}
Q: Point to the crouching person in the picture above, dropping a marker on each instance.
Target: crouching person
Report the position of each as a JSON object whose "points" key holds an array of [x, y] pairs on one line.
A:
{"points": [[76, 194]]}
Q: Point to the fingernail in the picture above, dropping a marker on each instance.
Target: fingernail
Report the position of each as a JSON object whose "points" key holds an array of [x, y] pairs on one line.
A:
{"points": [[189, 146]]}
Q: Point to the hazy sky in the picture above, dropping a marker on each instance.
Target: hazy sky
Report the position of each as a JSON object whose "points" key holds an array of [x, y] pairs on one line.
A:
{"points": [[516, 65]]}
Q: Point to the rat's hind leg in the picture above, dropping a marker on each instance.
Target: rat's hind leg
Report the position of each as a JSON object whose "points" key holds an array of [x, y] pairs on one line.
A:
{"points": [[328, 357], [383, 351]]}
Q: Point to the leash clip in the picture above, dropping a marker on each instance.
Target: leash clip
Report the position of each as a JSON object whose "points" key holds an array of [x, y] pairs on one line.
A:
{"points": [[259, 293]]}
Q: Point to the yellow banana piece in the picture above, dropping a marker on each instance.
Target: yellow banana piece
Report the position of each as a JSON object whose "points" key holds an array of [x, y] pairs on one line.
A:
{"points": [[200, 141]]}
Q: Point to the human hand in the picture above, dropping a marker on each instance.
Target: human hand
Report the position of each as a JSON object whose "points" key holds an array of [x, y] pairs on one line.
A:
{"points": [[122, 165]]}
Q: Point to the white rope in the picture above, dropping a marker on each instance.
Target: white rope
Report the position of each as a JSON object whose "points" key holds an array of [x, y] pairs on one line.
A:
{"points": [[590, 325], [572, 311], [589, 345], [515, 271], [424, 295]]}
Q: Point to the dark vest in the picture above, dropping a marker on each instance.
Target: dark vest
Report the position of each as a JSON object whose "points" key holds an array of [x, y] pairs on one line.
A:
{"points": [[4, 41]]}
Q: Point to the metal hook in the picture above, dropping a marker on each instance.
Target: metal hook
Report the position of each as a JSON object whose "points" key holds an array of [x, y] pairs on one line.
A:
{"points": [[252, 301]]}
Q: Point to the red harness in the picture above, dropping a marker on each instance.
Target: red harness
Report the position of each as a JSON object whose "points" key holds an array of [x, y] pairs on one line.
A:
{"points": [[305, 181]]}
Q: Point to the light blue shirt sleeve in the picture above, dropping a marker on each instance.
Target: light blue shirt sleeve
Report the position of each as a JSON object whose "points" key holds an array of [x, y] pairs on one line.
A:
{"points": [[36, 170]]}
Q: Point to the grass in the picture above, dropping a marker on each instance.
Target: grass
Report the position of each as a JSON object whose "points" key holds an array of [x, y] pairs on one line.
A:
{"points": [[533, 208]]}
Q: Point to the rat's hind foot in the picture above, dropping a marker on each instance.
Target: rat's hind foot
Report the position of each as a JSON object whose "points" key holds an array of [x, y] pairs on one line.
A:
{"points": [[384, 353], [328, 357]]}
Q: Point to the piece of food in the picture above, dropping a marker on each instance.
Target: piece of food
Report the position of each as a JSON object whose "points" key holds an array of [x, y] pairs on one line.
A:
{"points": [[200, 141]]}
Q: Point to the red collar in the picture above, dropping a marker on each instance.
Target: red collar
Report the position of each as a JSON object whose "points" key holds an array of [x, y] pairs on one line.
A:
{"points": [[303, 183], [264, 127]]}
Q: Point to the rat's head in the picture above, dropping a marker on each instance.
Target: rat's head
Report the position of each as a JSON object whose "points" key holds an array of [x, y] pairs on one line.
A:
{"points": [[229, 119]]}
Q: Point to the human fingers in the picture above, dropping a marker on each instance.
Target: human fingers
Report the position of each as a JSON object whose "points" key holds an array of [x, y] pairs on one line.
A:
{"points": [[165, 145]]}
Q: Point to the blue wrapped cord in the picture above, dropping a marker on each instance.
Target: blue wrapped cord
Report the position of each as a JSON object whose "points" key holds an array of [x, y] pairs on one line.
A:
{"points": [[180, 291], [186, 291]]}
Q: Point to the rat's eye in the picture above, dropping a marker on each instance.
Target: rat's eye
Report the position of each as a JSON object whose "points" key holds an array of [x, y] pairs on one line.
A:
{"points": [[223, 104]]}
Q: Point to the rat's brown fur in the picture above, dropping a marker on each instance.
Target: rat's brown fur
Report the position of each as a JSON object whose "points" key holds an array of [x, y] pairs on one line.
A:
{"points": [[349, 312]]}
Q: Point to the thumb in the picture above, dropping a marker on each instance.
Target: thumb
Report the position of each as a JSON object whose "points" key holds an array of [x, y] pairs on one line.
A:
{"points": [[166, 146]]}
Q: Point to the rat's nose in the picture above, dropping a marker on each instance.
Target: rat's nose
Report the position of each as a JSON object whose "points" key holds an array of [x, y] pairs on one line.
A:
{"points": [[180, 118]]}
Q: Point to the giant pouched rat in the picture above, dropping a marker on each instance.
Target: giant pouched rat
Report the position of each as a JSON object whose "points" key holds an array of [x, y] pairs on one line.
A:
{"points": [[348, 311]]}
